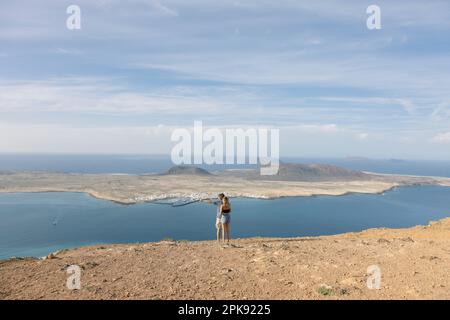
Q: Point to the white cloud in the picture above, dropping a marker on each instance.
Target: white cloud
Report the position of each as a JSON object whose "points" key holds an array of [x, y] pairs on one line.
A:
{"points": [[101, 96], [136, 139], [290, 62], [91, 95], [69, 51], [406, 140], [60, 139], [304, 140], [362, 136], [442, 138], [406, 104], [317, 128], [163, 9], [442, 111]]}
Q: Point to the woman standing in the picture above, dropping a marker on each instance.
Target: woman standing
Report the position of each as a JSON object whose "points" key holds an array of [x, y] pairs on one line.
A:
{"points": [[225, 211], [219, 215]]}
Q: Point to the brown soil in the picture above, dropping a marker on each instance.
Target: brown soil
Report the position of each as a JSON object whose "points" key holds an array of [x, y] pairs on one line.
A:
{"points": [[414, 264]]}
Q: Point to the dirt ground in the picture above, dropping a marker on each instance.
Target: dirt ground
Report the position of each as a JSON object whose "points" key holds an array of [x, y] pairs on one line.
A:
{"points": [[413, 263]]}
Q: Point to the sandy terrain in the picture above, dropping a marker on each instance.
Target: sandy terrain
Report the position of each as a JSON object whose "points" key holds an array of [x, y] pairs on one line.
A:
{"points": [[129, 189], [414, 264]]}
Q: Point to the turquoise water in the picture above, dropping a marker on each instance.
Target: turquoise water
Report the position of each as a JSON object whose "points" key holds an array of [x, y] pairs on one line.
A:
{"points": [[38, 223]]}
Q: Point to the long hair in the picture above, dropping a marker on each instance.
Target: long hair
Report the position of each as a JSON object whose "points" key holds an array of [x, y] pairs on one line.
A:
{"points": [[226, 202]]}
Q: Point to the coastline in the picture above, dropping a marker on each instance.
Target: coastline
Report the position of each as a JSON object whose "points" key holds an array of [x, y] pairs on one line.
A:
{"points": [[133, 189], [412, 261]]}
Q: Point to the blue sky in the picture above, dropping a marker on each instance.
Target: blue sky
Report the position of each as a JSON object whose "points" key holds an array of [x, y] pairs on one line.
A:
{"points": [[138, 69]]}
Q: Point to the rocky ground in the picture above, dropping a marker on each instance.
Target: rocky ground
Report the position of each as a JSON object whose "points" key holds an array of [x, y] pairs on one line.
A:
{"points": [[414, 264]]}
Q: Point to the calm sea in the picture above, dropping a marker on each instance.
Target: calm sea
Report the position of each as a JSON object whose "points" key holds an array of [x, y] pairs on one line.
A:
{"points": [[38, 223]]}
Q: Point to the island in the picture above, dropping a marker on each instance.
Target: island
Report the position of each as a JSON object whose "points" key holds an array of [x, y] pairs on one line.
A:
{"points": [[196, 183]]}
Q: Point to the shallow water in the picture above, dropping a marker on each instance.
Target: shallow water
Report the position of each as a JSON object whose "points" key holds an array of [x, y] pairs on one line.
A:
{"points": [[35, 224]]}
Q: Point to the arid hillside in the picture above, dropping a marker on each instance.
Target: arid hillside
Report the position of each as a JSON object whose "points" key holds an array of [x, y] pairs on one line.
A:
{"points": [[413, 264]]}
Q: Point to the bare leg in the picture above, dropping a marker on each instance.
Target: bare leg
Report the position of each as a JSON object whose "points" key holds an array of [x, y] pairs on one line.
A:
{"points": [[218, 231], [228, 231], [223, 231]]}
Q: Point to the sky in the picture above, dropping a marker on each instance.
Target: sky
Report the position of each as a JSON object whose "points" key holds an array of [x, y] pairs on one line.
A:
{"points": [[139, 69]]}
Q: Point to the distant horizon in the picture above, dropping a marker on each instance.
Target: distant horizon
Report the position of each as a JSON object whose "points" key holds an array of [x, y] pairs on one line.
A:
{"points": [[350, 158]]}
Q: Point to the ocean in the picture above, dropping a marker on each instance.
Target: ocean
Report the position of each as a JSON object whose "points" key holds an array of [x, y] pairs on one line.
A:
{"points": [[35, 224]]}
